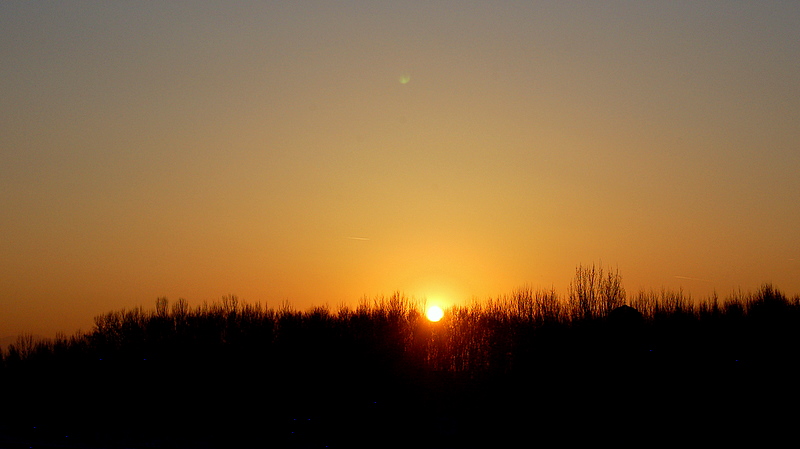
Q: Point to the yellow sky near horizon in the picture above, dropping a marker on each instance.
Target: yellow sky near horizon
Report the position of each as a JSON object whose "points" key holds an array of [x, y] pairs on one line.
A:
{"points": [[275, 152]]}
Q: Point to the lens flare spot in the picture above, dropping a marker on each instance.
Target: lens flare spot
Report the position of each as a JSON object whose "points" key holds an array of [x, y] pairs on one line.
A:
{"points": [[404, 79], [434, 313]]}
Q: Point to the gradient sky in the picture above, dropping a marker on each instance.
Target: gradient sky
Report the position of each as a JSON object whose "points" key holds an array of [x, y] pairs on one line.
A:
{"points": [[275, 151]]}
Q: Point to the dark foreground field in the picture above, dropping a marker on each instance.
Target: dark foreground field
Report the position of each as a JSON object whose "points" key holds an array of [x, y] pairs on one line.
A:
{"points": [[523, 370]]}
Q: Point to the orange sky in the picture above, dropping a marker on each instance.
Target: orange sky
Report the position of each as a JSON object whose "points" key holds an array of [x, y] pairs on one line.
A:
{"points": [[271, 151]]}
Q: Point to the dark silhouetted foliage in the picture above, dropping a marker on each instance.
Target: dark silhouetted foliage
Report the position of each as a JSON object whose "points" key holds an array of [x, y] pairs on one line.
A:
{"points": [[232, 373]]}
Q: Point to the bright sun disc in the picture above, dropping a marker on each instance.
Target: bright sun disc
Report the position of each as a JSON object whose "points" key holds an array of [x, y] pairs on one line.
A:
{"points": [[434, 313]]}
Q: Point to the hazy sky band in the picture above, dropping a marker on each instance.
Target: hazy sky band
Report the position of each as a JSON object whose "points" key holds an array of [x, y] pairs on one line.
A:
{"points": [[206, 148]]}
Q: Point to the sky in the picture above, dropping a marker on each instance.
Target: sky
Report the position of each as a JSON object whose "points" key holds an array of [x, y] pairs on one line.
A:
{"points": [[321, 152]]}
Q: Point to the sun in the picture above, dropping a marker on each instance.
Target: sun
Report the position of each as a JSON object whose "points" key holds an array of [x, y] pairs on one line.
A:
{"points": [[434, 313]]}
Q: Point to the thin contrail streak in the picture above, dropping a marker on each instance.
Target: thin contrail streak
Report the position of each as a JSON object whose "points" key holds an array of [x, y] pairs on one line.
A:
{"points": [[357, 238], [692, 279]]}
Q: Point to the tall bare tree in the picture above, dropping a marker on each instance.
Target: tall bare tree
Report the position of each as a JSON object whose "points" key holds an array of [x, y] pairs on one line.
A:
{"points": [[594, 293]]}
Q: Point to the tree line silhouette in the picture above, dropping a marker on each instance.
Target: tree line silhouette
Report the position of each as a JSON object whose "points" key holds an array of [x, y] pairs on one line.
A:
{"points": [[533, 362]]}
